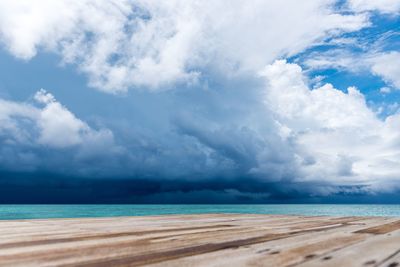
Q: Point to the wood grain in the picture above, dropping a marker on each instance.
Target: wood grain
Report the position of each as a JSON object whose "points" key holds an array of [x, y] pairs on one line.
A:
{"points": [[202, 240]]}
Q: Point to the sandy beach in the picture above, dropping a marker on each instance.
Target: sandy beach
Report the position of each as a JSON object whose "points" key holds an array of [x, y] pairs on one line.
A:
{"points": [[202, 240]]}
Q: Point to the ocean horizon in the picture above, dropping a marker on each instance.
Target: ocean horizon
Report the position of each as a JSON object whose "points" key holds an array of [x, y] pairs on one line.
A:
{"points": [[39, 211]]}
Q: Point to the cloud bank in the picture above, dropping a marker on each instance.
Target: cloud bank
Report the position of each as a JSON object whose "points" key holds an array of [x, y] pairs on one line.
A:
{"points": [[123, 44], [320, 141], [335, 136], [221, 112]]}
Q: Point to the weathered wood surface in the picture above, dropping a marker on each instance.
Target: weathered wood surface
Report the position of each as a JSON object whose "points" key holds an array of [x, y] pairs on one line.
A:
{"points": [[202, 240]]}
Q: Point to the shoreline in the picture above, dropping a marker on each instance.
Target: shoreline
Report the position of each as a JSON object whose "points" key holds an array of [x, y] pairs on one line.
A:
{"points": [[217, 239]]}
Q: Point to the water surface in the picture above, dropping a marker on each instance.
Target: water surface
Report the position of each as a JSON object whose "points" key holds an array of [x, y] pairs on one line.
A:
{"points": [[10, 212]]}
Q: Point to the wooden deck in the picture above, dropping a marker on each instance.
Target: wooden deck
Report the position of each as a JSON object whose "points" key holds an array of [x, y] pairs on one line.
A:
{"points": [[202, 240]]}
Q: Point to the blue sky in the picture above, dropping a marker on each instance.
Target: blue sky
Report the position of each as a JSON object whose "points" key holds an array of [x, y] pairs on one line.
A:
{"points": [[152, 101]]}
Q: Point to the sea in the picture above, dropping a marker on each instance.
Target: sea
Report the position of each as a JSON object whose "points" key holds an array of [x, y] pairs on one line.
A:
{"points": [[14, 212]]}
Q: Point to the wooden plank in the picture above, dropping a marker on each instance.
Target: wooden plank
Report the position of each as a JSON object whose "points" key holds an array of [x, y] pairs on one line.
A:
{"points": [[392, 260], [200, 240], [283, 252], [382, 229], [370, 252]]}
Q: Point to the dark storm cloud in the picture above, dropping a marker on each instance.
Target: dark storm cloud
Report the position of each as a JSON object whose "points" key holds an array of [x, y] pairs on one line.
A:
{"points": [[194, 145], [50, 188]]}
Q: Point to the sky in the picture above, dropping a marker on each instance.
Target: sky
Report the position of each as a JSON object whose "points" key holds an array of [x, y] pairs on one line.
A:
{"points": [[186, 101]]}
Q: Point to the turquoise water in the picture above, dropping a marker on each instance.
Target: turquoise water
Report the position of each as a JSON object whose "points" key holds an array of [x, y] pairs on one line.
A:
{"points": [[10, 212]]}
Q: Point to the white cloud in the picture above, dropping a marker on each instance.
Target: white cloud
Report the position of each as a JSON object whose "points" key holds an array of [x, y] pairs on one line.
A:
{"points": [[383, 64], [384, 6], [385, 90], [10, 113], [52, 125], [121, 43], [337, 59], [387, 65], [336, 137]]}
